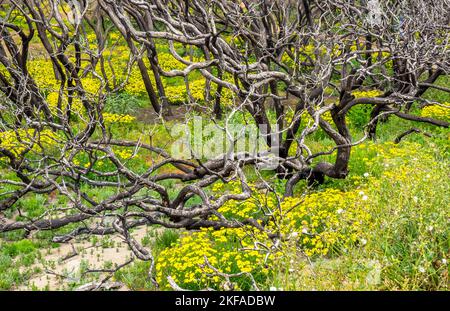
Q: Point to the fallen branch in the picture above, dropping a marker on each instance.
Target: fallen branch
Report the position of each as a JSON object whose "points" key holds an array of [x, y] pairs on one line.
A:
{"points": [[410, 131]]}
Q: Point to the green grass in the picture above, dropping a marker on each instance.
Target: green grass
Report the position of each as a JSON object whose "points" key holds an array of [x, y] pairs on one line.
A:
{"points": [[16, 260]]}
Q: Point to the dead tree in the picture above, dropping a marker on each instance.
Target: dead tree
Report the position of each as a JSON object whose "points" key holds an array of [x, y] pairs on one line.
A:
{"points": [[266, 53]]}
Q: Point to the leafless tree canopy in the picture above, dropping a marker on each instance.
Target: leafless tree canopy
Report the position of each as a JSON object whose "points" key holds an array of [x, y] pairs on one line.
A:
{"points": [[265, 53]]}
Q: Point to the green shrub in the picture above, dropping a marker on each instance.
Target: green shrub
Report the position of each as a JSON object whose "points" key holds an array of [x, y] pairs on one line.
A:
{"points": [[123, 104]]}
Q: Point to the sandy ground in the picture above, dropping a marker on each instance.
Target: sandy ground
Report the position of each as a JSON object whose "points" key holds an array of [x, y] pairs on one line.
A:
{"points": [[61, 266]]}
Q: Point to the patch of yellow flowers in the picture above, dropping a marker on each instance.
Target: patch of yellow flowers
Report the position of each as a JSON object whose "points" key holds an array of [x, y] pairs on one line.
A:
{"points": [[185, 260], [371, 93], [319, 223], [52, 100], [435, 111], [124, 154], [42, 72], [20, 140], [331, 220], [307, 119], [117, 118], [179, 94]]}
